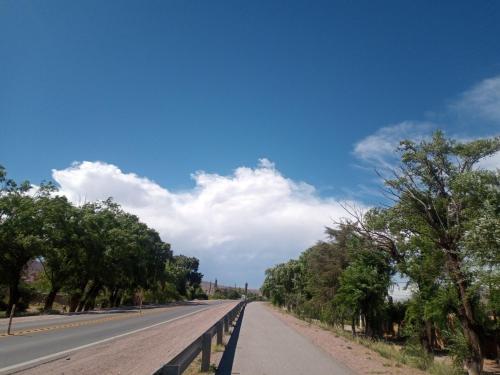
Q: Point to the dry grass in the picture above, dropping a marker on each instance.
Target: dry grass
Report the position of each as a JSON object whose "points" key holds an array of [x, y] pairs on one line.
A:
{"points": [[415, 358]]}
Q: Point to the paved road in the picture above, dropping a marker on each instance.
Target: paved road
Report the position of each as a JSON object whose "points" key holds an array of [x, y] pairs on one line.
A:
{"points": [[267, 346], [24, 323], [39, 321], [61, 335]]}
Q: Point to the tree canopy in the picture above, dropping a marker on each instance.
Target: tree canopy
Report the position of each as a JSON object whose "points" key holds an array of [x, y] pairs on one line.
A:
{"points": [[94, 253]]}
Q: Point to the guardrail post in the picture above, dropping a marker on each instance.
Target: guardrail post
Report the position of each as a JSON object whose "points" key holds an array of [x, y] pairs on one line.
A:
{"points": [[226, 324], [206, 347], [219, 333]]}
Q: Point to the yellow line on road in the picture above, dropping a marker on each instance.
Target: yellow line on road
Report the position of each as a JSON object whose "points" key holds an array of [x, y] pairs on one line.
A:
{"points": [[79, 323]]}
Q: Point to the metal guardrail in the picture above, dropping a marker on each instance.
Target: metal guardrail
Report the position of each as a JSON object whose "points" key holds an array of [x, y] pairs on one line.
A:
{"points": [[202, 344]]}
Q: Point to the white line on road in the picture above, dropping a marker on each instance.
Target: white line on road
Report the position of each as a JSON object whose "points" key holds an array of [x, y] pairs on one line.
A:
{"points": [[18, 366]]}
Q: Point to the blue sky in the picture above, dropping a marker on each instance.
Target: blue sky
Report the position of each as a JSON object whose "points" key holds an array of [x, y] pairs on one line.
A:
{"points": [[162, 89]]}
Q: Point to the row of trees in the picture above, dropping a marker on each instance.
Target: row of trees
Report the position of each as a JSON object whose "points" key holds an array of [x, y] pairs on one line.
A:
{"points": [[337, 281], [441, 230], [89, 252]]}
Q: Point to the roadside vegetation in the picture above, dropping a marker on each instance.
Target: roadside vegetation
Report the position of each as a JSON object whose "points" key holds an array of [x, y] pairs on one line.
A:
{"points": [[439, 229], [234, 293], [93, 254]]}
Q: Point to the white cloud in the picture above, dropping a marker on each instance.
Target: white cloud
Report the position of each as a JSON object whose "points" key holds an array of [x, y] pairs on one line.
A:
{"points": [[491, 163], [482, 100], [379, 148], [238, 225]]}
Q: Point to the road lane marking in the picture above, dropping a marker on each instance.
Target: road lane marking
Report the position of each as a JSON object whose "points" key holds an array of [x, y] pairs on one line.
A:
{"points": [[35, 362], [65, 325], [80, 323]]}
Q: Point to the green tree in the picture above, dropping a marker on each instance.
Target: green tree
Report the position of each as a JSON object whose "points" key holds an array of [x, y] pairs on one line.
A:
{"points": [[93, 252], [363, 289], [441, 194], [90, 260], [61, 244], [19, 239], [182, 271], [324, 263]]}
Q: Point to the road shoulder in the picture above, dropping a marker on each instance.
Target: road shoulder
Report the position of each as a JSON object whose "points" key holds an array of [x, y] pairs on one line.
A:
{"points": [[266, 345], [353, 355]]}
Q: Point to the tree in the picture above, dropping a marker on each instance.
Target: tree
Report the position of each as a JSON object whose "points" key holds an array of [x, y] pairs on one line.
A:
{"points": [[424, 265], [323, 265], [19, 240], [182, 271], [61, 244], [91, 229], [96, 251], [441, 194], [363, 288]]}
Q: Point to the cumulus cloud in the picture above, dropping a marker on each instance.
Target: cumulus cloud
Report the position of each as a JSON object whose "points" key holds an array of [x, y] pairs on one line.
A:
{"points": [[491, 163], [379, 148], [238, 225], [481, 103], [482, 100]]}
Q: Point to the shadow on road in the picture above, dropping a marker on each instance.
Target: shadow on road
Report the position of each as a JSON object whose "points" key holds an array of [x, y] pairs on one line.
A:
{"points": [[226, 363]]}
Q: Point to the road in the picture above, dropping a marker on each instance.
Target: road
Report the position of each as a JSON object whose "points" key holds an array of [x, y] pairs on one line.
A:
{"points": [[53, 336], [268, 346]]}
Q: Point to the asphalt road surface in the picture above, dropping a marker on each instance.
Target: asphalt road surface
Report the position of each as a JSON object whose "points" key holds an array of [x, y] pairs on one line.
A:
{"points": [[49, 336], [266, 346]]}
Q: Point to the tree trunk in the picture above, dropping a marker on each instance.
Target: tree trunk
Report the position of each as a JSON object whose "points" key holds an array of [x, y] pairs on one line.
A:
{"points": [[119, 298], [86, 296], [474, 361], [362, 322], [368, 327], [89, 301], [114, 298], [76, 297], [13, 294], [49, 301], [111, 299], [73, 302], [426, 337]]}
